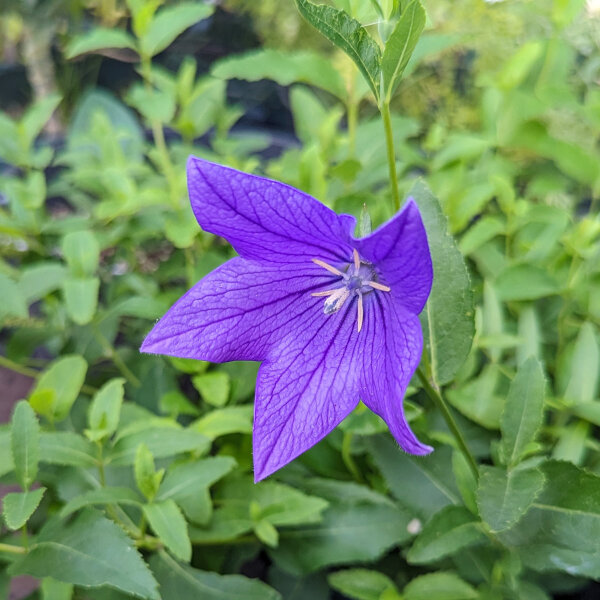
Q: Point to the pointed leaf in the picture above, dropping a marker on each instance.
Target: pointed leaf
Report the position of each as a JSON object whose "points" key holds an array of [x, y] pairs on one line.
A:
{"points": [[25, 443], [439, 586], [168, 524], [18, 507], [105, 409], [348, 35], [100, 38]]}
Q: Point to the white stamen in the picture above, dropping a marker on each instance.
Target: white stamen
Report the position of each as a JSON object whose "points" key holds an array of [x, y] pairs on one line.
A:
{"points": [[356, 261], [378, 286], [325, 293], [360, 311], [328, 267]]}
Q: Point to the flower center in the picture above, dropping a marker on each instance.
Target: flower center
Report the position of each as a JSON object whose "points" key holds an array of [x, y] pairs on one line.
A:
{"points": [[355, 281]]}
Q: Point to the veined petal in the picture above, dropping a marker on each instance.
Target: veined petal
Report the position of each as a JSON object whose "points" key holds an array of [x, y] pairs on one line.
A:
{"points": [[237, 312], [264, 219], [400, 251], [307, 385], [392, 351]]}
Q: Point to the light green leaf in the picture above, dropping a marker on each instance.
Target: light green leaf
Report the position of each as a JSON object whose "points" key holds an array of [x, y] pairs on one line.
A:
{"points": [[82, 253], [439, 586], [67, 449], [25, 443], [105, 409], [154, 105], [100, 38], [146, 477], [81, 298], [169, 23], [525, 282], [168, 524], [36, 117], [55, 590], [582, 385], [63, 379], [13, 301], [106, 495], [39, 279], [266, 533], [6, 459], [400, 45], [283, 67], [523, 412], [503, 497], [179, 582], [453, 528], [361, 584], [213, 387], [481, 232], [88, 551], [18, 507], [449, 314], [348, 35]]}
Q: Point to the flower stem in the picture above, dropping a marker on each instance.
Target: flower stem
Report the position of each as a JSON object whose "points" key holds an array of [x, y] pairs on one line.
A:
{"points": [[347, 456], [391, 154], [437, 399], [10, 549]]}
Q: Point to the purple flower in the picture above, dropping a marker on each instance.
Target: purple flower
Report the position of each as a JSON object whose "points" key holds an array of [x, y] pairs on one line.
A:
{"points": [[332, 318]]}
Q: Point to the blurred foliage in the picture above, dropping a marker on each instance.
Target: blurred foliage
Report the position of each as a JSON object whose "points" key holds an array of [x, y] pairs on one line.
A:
{"points": [[499, 112]]}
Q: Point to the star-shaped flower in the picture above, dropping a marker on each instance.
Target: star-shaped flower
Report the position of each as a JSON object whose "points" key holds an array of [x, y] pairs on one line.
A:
{"points": [[332, 318]]}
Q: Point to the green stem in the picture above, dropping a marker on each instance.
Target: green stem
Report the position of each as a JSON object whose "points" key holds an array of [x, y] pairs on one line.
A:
{"points": [[437, 399], [347, 456], [117, 360], [391, 154], [9, 548]]}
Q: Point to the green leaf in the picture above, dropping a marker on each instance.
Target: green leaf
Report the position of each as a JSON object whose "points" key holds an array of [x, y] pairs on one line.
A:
{"points": [[179, 582], [67, 449], [453, 528], [105, 410], [13, 301], [81, 298], [162, 442], [169, 23], [283, 67], [347, 534], [348, 35], [25, 443], [88, 551], [213, 387], [63, 379], [82, 253], [36, 117], [524, 282], [146, 477], [361, 584], [154, 105], [449, 314], [188, 485], [6, 459], [465, 480], [582, 385], [503, 497], [106, 495], [439, 586], [56, 590], [232, 419], [523, 412], [39, 279], [266, 533], [100, 38], [18, 507], [400, 46], [168, 524]]}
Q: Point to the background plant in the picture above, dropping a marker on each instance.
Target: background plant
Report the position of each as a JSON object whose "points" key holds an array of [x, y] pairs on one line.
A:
{"points": [[133, 471]]}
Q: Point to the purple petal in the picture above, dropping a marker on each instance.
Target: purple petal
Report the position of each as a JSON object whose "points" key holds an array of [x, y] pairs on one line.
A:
{"points": [[237, 312], [264, 219], [308, 384], [392, 352], [400, 252]]}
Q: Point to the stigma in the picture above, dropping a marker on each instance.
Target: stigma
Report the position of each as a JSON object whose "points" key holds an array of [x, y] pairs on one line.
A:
{"points": [[357, 280]]}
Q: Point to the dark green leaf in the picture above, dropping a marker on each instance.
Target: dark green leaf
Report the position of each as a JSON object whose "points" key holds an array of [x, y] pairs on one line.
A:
{"points": [[89, 551], [25, 443], [503, 497], [66, 448], [523, 412], [348, 35], [168, 524], [106, 495], [449, 314], [400, 45]]}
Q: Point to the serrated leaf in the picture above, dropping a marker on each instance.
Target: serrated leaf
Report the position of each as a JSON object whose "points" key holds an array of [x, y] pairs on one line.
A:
{"points": [[523, 412], [181, 581], [100, 38], [64, 378], [348, 35], [25, 443], [400, 45], [439, 586], [169, 23], [89, 551], [449, 314], [503, 497], [450, 530], [168, 524], [18, 507]]}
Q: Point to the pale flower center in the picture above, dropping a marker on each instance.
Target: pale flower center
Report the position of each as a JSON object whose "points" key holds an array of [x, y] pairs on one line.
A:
{"points": [[356, 281]]}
